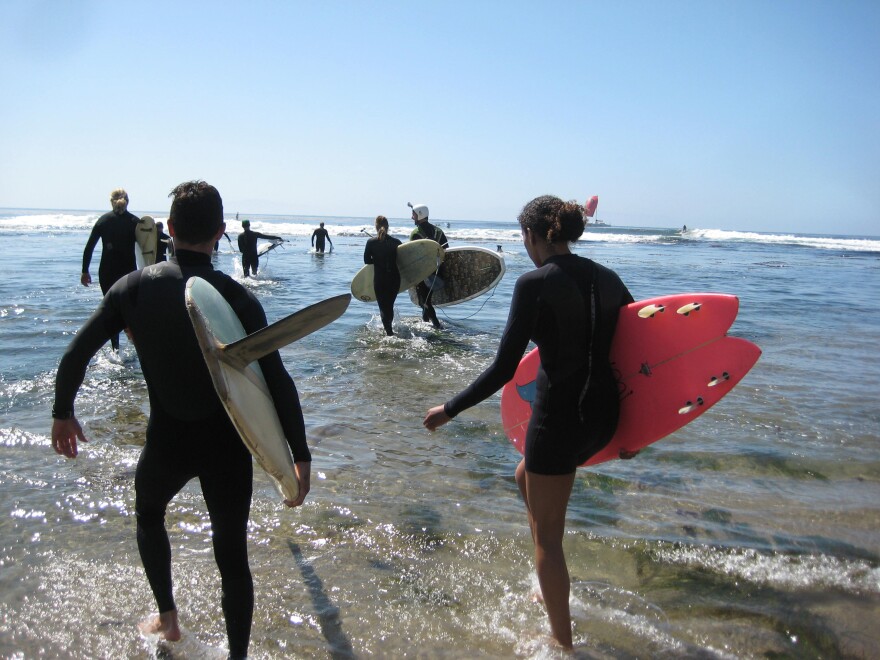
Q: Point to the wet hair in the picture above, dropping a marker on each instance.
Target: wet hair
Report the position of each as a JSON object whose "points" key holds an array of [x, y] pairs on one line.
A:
{"points": [[119, 200], [381, 227], [553, 219], [196, 211]]}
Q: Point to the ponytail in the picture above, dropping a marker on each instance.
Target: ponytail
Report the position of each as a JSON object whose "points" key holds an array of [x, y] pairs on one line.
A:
{"points": [[381, 227]]}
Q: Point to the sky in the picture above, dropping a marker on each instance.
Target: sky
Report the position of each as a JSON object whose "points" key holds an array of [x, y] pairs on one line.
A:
{"points": [[741, 115]]}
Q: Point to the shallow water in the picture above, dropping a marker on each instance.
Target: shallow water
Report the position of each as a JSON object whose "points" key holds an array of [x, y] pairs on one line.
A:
{"points": [[751, 532]]}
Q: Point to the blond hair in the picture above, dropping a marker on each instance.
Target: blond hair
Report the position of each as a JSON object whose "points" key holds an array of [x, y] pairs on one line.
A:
{"points": [[119, 200]]}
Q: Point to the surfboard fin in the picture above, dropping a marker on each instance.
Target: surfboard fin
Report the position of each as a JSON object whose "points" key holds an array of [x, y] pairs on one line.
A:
{"points": [[281, 333]]}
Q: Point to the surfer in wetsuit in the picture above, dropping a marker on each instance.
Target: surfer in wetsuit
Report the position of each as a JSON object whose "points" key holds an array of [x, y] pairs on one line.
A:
{"points": [[425, 229], [163, 244], [318, 238], [188, 433], [117, 231], [381, 251], [568, 306], [247, 245]]}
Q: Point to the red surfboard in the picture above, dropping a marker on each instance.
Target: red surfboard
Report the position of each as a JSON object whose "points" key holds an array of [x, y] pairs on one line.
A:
{"points": [[674, 361]]}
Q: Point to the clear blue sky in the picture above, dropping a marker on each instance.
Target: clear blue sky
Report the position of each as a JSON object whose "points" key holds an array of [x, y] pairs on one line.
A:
{"points": [[740, 115]]}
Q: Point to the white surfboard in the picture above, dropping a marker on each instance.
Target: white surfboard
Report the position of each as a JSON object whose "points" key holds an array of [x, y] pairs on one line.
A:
{"points": [[267, 247], [415, 261], [232, 357], [147, 237]]}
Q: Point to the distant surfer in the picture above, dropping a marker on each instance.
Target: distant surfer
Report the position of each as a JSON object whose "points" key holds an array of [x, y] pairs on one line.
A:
{"points": [[217, 243], [568, 306], [117, 231], [164, 243], [424, 229], [247, 245], [381, 251], [318, 237], [684, 228], [188, 434]]}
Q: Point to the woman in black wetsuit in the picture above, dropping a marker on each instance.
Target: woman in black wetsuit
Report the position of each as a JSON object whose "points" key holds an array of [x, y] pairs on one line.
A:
{"points": [[381, 251], [568, 306]]}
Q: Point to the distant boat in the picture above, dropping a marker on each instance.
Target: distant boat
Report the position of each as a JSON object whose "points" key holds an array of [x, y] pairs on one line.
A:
{"points": [[589, 211]]}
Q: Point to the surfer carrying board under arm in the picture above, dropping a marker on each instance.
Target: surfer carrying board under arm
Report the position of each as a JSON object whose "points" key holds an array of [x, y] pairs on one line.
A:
{"points": [[247, 245], [569, 307], [381, 251], [117, 231], [189, 434], [424, 229]]}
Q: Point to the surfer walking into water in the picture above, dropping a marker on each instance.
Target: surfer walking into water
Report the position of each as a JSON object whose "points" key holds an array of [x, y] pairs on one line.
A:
{"points": [[247, 245], [318, 238], [569, 307], [163, 244], [188, 434], [117, 231], [381, 251], [424, 229]]}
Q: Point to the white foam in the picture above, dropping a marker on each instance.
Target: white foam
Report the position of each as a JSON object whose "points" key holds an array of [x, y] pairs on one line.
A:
{"points": [[780, 570]]}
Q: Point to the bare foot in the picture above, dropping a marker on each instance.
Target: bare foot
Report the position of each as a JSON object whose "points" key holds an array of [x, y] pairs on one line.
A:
{"points": [[164, 626]]}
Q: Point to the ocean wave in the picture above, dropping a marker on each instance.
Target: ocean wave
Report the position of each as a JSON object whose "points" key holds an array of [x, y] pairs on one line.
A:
{"points": [[813, 241], [15, 220], [779, 570]]}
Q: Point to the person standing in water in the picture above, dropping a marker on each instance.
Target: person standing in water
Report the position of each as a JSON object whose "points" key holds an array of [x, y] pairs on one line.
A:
{"points": [[569, 307], [247, 245], [188, 433], [381, 251], [163, 245], [117, 231], [424, 229], [318, 238]]}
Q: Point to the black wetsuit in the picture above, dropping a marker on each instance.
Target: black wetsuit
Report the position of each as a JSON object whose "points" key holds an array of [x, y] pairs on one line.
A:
{"points": [[188, 434], [386, 278], [247, 245], [117, 234], [162, 246], [569, 308], [423, 291], [321, 235]]}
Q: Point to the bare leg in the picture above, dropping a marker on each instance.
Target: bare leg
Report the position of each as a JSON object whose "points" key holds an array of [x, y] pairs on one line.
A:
{"points": [[546, 499], [164, 625]]}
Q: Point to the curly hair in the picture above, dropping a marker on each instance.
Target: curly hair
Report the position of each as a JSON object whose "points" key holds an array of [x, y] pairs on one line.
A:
{"points": [[557, 221]]}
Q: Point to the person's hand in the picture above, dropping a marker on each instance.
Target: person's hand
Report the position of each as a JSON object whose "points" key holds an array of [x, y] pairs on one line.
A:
{"points": [[65, 433], [627, 454], [303, 471], [435, 418], [85, 279]]}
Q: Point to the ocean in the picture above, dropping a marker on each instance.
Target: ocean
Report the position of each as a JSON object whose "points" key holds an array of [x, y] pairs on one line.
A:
{"points": [[752, 532]]}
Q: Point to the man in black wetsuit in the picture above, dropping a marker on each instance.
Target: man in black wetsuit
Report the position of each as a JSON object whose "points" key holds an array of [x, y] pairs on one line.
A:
{"points": [[425, 229], [117, 230], [188, 433], [321, 235], [163, 244], [247, 245]]}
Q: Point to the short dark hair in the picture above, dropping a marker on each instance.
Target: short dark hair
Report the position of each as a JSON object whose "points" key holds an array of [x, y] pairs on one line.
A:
{"points": [[553, 219], [196, 211]]}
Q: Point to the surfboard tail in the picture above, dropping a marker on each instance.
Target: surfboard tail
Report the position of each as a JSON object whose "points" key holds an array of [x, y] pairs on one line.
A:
{"points": [[281, 333]]}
